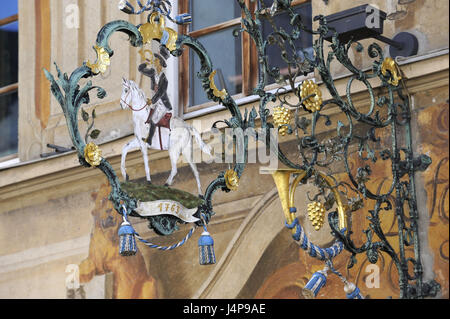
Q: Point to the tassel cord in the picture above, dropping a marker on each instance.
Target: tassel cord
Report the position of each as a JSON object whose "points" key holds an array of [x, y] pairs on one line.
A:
{"points": [[314, 250], [151, 245], [330, 266], [356, 292]]}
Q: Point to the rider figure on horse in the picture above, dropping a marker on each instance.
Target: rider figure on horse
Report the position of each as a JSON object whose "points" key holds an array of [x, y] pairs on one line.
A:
{"points": [[159, 85]]}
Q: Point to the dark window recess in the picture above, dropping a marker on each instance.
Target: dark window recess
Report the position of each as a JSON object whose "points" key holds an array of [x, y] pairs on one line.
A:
{"points": [[9, 113], [303, 46], [9, 59]]}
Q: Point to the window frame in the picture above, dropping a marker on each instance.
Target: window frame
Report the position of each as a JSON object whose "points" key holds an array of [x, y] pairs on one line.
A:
{"points": [[249, 56], [10, 88], [249, 76]]}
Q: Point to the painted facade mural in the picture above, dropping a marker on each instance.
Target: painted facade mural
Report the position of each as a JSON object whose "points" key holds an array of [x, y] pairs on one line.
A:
{"points": [[130, 277]]}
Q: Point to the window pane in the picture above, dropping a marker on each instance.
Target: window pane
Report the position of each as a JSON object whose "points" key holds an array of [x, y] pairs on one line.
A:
{"points": [[9, 107], [304, 43], [225, 51], [206, 13], [9, 59]]}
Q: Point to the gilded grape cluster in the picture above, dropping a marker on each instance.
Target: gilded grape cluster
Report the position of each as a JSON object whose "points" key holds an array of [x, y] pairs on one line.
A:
{"points": [[282, 116], [316, 214], [312, 96]]}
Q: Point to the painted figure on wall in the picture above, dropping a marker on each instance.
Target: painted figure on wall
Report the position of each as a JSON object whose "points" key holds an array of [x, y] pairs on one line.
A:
{"points": [[130, 275]]}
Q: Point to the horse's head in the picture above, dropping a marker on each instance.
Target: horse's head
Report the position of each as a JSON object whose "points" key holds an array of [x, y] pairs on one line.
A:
{"points": [[132, 96], [126, 97]]}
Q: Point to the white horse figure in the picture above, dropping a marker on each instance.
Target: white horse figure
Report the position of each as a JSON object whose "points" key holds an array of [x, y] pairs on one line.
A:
{"points": [[179, 136]]}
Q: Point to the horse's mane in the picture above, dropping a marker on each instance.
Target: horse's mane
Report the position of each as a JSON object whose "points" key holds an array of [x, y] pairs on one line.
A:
{"points": [[135, 87]]}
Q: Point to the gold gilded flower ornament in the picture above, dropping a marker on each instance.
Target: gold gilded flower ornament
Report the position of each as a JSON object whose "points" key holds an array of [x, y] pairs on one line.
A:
{"points": [[311, 95], [282, 116], [390, 68], [92, 154], [231, 180], [102, 63]]}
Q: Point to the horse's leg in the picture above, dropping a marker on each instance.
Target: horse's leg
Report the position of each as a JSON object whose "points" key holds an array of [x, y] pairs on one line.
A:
{"points": [[187, 153], [144, 150], [174, 154], [130, 145]]}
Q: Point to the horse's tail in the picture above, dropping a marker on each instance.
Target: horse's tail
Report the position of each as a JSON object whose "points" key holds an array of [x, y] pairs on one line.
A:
{"points": [[203, 146]]}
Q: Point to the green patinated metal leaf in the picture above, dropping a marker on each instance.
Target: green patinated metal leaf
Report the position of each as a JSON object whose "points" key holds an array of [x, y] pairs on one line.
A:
{"points": [[95, 134], [145, 192], [84, 115]]}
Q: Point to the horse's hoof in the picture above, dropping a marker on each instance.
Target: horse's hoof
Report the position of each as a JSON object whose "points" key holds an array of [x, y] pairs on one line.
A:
{"points": [[149, 183], [166, 185], [127, 178]]}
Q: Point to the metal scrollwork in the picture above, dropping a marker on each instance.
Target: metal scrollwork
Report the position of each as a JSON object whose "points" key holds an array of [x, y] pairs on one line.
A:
{"points": [[388, 108]]}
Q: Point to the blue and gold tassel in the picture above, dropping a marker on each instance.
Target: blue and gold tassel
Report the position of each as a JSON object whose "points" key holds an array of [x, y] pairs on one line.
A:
{"points": [[317, 281], [206, 247], [352, 291], [127, 240]]}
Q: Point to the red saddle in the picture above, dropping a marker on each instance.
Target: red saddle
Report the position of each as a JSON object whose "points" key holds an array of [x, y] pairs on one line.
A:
{"points": [[164, 122]]}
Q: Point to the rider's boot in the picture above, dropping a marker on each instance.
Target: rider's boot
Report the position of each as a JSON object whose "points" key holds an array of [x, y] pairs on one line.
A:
{"points": [[151, 133]]}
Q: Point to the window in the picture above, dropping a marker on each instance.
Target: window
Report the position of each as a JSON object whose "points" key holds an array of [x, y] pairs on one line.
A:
{"points": [[9, 45], [303, 45], [234, 58], [230, 55]]}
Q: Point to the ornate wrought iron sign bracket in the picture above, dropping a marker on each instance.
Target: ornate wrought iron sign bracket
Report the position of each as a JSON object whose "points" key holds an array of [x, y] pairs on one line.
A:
{"points": [[388, 109]]}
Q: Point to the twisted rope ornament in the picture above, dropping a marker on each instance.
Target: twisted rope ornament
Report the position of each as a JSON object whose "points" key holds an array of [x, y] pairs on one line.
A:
{"points": [[163, 248], [313, 250]]}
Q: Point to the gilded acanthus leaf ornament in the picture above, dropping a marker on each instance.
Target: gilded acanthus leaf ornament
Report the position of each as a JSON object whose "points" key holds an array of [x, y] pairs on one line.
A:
{"points": [[102, 63], [390, 68], [217, 93], [311, 95], [156, 30]]}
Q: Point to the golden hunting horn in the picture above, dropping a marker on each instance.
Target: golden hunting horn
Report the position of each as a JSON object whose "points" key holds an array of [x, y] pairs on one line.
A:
{"points": [[286, 192]]}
